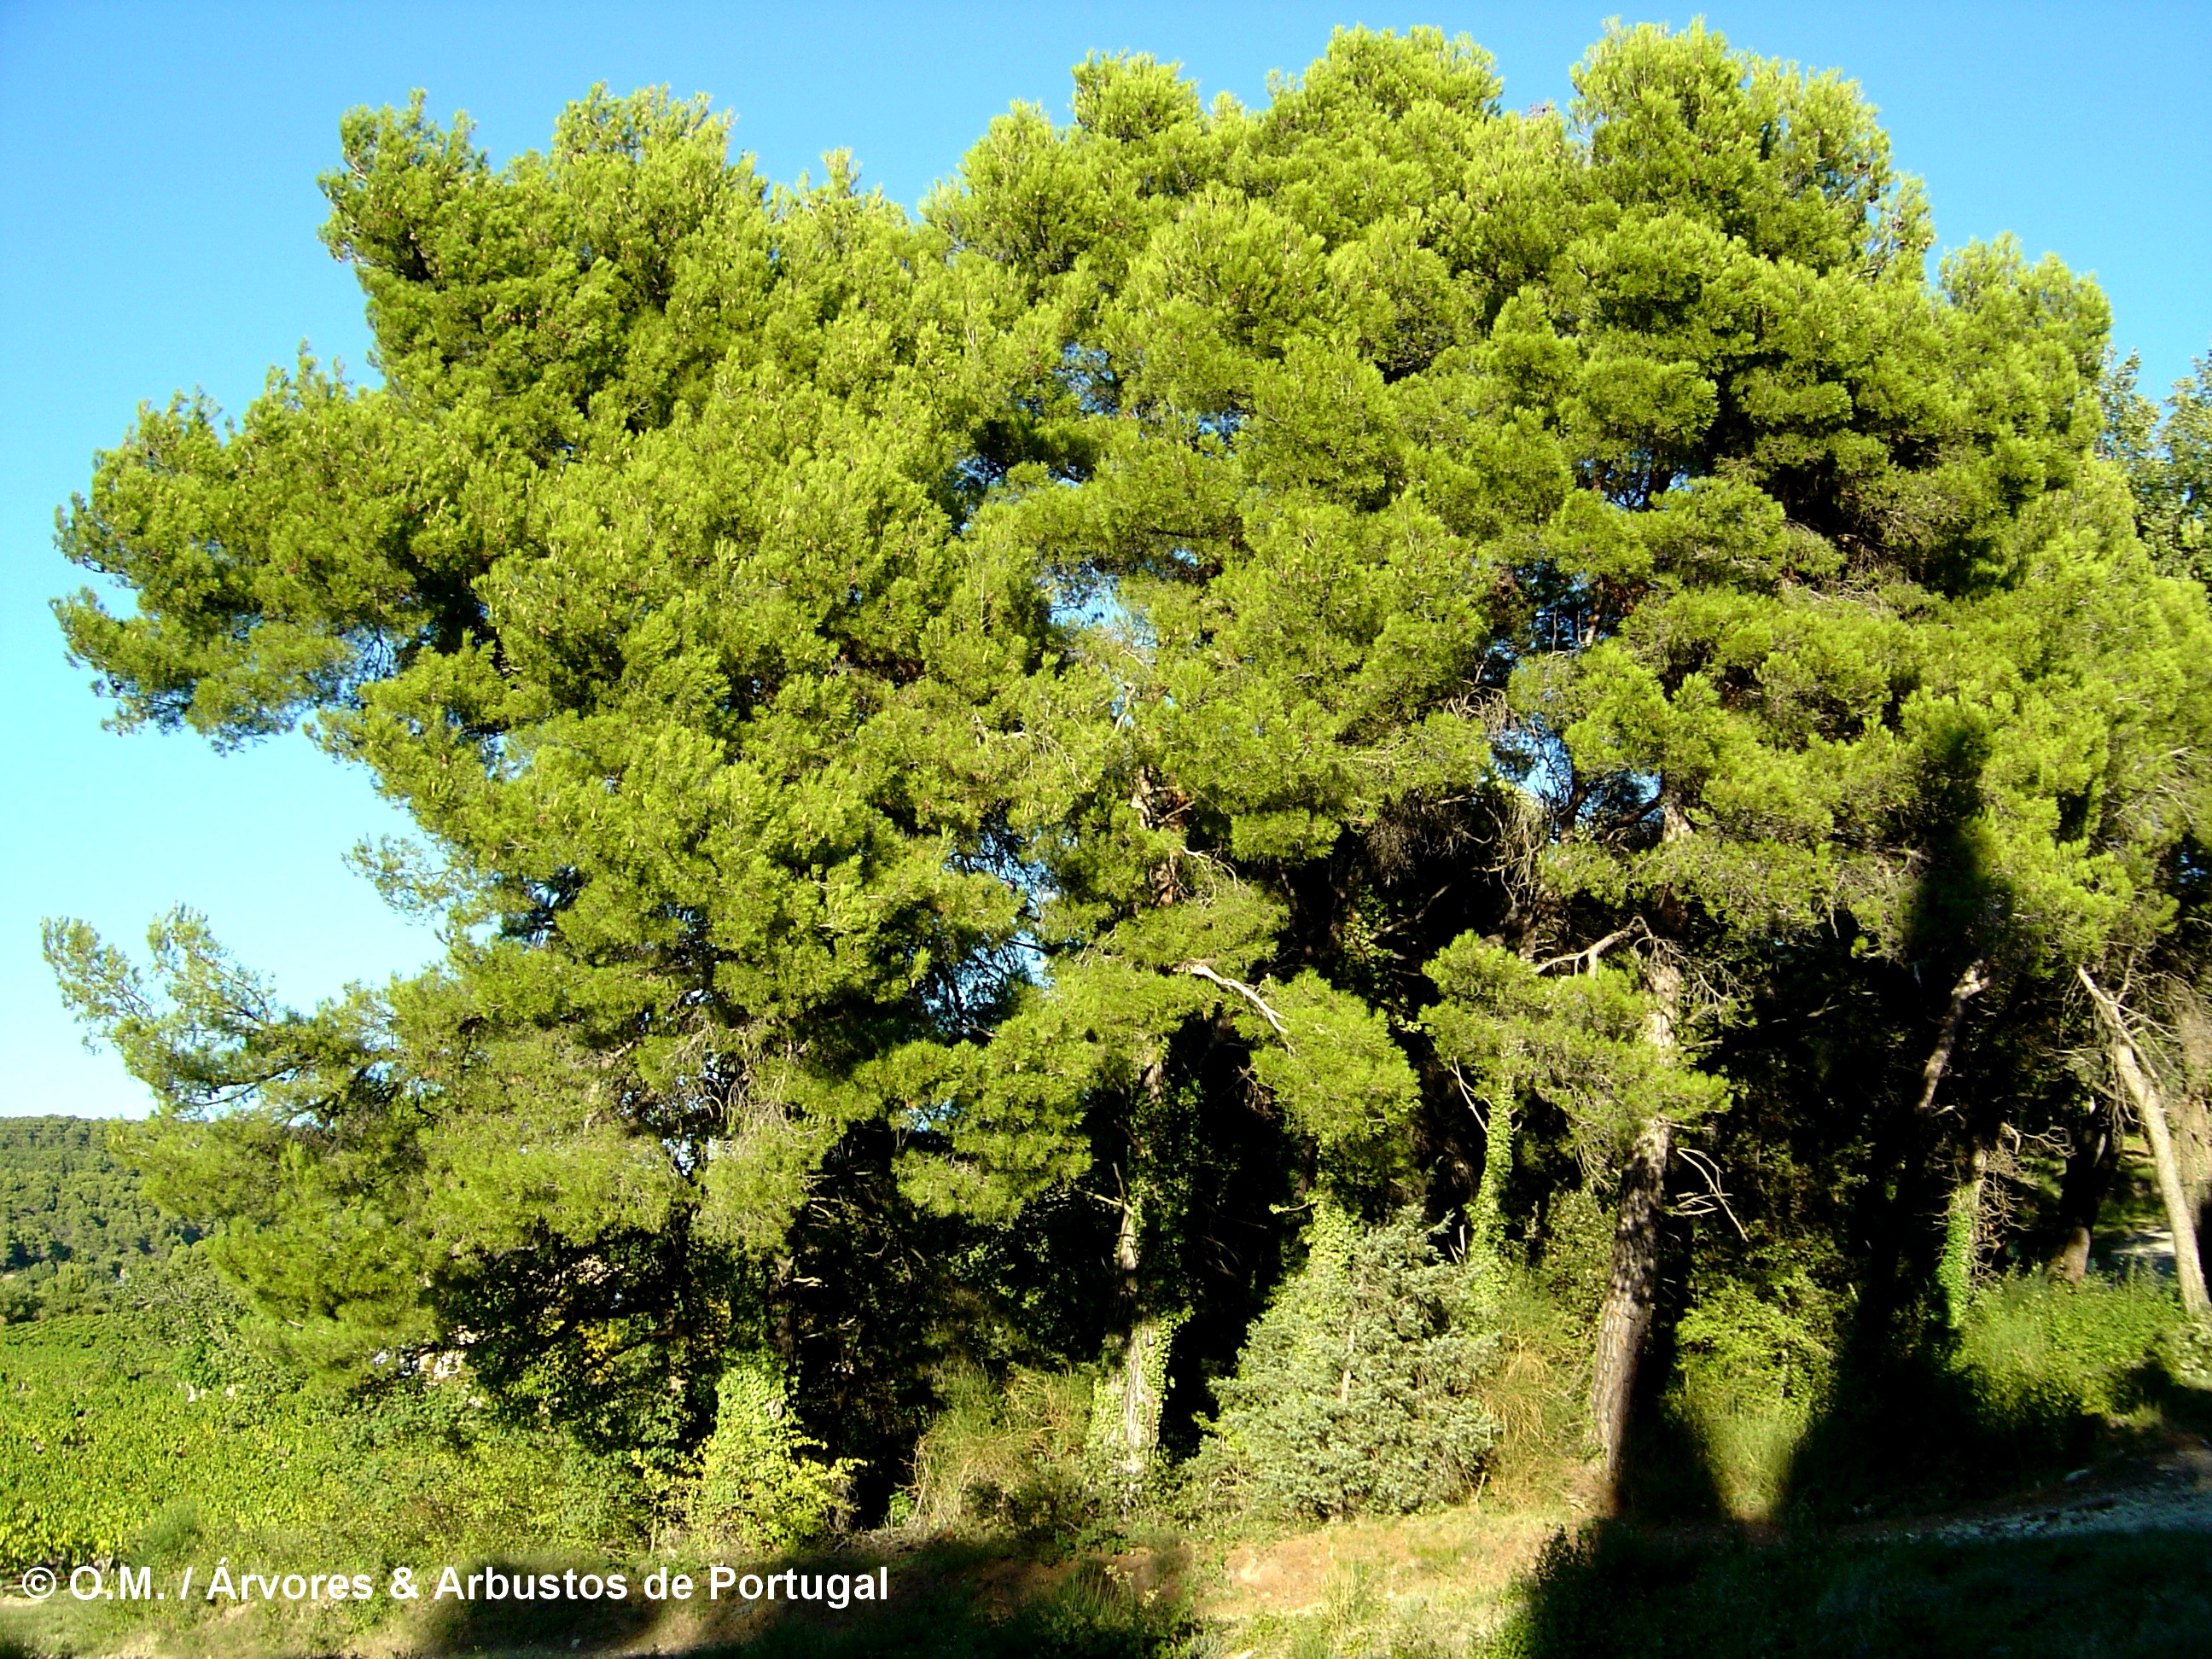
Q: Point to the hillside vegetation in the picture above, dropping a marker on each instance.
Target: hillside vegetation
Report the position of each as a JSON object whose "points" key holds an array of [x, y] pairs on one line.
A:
{"points": [[74, 1220]]}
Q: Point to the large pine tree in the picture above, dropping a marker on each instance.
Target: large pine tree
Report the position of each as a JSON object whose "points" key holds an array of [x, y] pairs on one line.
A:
{"points": [[1052, 729]]}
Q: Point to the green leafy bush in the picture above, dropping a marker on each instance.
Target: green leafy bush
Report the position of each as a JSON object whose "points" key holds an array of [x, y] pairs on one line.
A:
{"points": [[1360, 1389], [2036, 1347], [761, 1483]]}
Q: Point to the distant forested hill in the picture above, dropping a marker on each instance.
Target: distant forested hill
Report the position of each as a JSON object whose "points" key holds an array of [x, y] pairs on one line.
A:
{"points": [[72, 1218]]}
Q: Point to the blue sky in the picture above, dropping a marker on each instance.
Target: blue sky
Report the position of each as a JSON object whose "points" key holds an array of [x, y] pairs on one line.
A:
{"points": [[158, 211]]}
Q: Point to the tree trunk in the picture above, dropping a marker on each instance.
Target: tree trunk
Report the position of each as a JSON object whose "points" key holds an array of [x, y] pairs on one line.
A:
{"points": [[1970, 984], [1954, 1265], [1629, 1291], [2089, 1168], [1954, 1274], [1125, 1426], [1125, 1422], [1486, 1214], [1143, 1367], [2192, 1152], [2150, 1107], [1631, 1284]]}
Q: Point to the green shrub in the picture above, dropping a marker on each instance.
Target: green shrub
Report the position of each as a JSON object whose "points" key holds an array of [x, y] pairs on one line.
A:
{"points": [[1752, 1363], [1757, 1349], [1360, 1389], [1005, 1457], [762, 1483], [2034, 1346]]}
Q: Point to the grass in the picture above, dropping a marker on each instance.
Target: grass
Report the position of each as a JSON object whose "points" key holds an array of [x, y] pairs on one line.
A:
{"points": [[954, 1602], [2103, 1597]]}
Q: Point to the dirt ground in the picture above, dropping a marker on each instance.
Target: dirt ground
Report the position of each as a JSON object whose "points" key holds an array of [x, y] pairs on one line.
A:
{"points": [[2164, 1486]]}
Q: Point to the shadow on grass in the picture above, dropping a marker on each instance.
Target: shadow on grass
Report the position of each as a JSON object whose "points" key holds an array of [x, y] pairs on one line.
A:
{"points": [[1668, 1471], [1917, 1421], [1911, 1427], [506, 1623], [947, 1603], [1907, 1429], [1618, 1590]]}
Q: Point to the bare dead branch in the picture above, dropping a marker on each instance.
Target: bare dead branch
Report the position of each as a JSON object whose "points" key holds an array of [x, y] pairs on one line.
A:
{"points": [[1713, 1199], [1589, 956], [1201, 971]]}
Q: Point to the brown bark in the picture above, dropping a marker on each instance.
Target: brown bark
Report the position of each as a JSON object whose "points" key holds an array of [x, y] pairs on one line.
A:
{"points": [[2088, 1176], [1626, 1319], [2150, 1107]]}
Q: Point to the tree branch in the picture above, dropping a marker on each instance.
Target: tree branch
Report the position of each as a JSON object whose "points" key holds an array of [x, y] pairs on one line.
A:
{"points": [[1971, 983], [1588, 956], [1200, 970]]}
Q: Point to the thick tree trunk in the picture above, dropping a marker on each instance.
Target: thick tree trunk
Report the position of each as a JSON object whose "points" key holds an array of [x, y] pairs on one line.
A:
{"points": [[1143, 1366], [2150, 1107], [1626, 1319], [1633, 1281], [2089, 1168]]}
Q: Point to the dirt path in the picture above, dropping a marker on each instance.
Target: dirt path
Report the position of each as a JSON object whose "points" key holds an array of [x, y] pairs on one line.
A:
{"points": [[2166, 1487]]}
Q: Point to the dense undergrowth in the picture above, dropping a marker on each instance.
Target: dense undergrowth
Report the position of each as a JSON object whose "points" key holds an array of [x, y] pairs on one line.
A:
{"points": [[1400, 1510], [125, 1440]]}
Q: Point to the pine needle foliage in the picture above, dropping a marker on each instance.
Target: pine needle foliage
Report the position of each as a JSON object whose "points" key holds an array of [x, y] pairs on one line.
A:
{"points": [[1361, 1389]]}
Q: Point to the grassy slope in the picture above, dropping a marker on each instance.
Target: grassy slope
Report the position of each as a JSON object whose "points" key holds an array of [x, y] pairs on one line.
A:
{"points": [[110, 1446]]}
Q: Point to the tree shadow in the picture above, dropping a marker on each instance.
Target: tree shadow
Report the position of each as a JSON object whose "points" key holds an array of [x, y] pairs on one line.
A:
{"points": [[1619, 1590], [506, 1620], [1668, 1471], [963, 1602], [1905, 1428]]}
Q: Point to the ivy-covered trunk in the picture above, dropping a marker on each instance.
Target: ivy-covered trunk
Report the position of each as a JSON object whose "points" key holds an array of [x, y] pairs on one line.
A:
{"points": [[1125, 1418], [1486, 1215], [1955, 1260], [1954, 1271], [1130, 1404]]}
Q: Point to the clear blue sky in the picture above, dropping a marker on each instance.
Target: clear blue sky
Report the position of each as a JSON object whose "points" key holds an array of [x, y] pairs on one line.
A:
{"points": [[158, 211]]}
